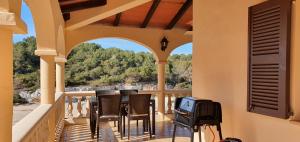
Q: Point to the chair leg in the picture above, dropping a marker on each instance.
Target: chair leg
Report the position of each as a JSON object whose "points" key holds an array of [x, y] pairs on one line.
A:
{"points": [[123, 125], [120, 127], [174, 131], [149, 126], [192, 134], [199, 130], [144, 126], [128, 128], [93, 127], [220, 131], [98, 123], [137, 127]]}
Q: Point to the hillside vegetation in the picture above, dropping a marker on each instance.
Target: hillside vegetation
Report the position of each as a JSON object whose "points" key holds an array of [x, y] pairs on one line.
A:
{"points": [[90, 64]]}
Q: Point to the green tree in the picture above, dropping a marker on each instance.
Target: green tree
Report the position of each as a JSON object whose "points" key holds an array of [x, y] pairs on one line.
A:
{"points": [[90, 64], [26, 65]]}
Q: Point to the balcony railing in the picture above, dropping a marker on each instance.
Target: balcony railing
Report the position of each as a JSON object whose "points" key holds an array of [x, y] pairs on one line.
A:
{"points": [[37, 126], [80, 99], [172, 94]]}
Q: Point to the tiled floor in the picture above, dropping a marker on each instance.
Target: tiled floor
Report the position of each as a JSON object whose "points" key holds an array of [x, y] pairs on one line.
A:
{"points": [[108, 133]]}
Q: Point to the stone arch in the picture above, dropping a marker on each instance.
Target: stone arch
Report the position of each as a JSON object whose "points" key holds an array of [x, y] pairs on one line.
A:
{"points": [[60, 47], [131, 40], [47, 20], [149, 37], [172, 49]]}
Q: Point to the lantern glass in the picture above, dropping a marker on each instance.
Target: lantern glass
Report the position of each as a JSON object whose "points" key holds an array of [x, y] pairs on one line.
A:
{"points": [[164, 43]]}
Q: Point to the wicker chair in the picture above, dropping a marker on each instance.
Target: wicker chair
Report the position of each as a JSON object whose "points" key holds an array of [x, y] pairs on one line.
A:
{"points": [[125, 94], [139, 109], [107, 111]]}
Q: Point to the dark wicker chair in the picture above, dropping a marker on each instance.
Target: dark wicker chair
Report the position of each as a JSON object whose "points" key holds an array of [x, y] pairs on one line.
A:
{"points": [[106, 92], [125, 94], [108, 107], [139, 109]]}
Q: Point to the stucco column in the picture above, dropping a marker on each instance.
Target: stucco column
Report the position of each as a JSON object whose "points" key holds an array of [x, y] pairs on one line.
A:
{"points": [[161, 86], [60, 74], [10, 23], [6, 85], [47, 69], [47, 79]]}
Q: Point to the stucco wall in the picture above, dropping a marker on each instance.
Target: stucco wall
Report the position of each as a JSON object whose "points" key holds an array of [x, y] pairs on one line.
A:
{"points": [[6, 85], [220, 70]]}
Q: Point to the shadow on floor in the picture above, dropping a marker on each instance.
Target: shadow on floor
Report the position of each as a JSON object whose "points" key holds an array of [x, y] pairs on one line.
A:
{"points": [[109, 133]]}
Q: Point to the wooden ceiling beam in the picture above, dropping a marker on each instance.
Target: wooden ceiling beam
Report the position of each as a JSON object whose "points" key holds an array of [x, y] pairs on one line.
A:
{"points": [[74, 5], [150, 13], [179, 14], [66, 16], [88, 16], [117, 19]]}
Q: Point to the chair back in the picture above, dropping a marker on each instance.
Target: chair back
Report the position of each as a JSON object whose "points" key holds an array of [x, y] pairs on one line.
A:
{"points": [[109, 105], [139, 104], [125, 93], [105, 92]]}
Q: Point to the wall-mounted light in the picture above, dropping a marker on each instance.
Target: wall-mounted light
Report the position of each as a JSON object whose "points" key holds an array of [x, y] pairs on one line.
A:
{"points": [[164, 44]]}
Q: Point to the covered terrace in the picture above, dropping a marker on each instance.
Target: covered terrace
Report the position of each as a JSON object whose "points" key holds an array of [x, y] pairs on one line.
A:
{"points": [[245, 55]]}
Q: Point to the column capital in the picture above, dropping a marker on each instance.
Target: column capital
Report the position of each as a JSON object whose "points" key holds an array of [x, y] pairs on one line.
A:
{"points": [[10, 21], [45, 52], [60, 59], [161, 62]]}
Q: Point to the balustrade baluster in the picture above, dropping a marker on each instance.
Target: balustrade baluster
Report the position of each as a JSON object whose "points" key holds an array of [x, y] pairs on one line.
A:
{"points": [[79, 107], [70, 106], [87, 105], [169, 104]]}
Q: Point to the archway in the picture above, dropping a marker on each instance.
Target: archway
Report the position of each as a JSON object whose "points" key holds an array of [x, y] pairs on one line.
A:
{"points": [[26, 64], [179, 68], [113, 63], [178, 72], [120, 40], [26, 68]]}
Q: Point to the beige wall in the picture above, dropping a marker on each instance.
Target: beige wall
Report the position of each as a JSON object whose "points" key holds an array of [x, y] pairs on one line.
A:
{"points": [[10, 23], [295, 73], [6, 85], [220, 70]]}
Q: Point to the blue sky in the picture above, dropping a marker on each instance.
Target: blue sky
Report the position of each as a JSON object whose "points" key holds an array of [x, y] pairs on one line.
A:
{"points": [[105, 42]]}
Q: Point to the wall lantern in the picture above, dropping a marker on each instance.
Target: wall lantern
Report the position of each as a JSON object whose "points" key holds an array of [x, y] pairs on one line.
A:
{"points": [[164, 44]]}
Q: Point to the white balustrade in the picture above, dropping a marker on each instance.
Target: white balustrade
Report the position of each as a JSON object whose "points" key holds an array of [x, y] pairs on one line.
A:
{"points": [[82, 100], [35, 126], [171, 96]]}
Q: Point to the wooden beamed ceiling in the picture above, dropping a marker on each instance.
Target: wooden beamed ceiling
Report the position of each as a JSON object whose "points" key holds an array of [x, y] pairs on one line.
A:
{"points": [[73, 5], [180, 13], [68, 6], [156, 13], [117, 19], [150, 13]]}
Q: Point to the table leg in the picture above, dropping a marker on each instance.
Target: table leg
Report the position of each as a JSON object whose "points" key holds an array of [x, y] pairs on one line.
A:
{"points": [[92, 120], [153, 117]]}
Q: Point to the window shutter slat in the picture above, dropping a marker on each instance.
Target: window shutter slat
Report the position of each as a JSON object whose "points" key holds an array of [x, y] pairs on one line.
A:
{"points": [[269, 47]]}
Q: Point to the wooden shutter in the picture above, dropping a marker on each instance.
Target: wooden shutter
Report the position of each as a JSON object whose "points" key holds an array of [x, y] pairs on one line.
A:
{"points": [[269, 47]]}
